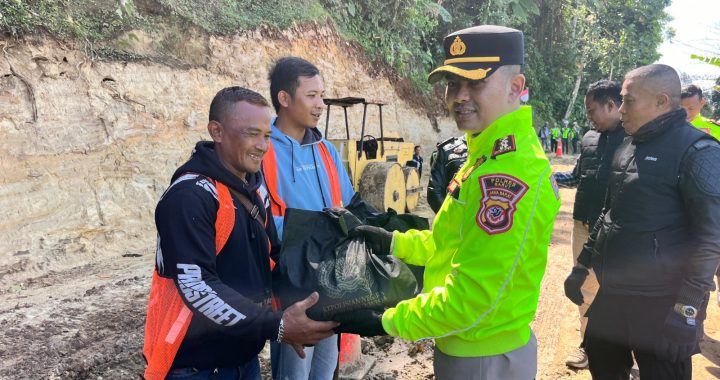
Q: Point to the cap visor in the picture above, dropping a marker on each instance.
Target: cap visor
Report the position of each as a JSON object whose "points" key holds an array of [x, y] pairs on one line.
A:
{"points": [[475, 74]]}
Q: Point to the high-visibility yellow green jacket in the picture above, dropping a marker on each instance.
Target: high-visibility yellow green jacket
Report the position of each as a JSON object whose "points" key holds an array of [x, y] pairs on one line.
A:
{"points": [[555, 133], [485, 256], [565, 132], [707, 126]]}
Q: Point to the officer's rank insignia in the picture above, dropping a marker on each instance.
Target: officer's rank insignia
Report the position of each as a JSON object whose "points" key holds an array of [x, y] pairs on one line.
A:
{"points": [[501, 192], [503, 145], [457, 47]]}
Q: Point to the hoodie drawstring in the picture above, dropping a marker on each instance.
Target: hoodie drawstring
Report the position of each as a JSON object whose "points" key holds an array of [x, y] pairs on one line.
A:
{"points": [[317, 175], [292, 158]]}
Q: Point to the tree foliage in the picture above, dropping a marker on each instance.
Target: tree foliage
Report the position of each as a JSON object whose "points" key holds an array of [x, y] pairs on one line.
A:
{"points": [[715, 100], [569, 43]]}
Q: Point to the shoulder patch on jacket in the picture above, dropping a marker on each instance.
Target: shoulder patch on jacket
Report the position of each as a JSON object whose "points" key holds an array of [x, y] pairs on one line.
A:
{"points": [[500, 194], [503, 145], [208, 186]]}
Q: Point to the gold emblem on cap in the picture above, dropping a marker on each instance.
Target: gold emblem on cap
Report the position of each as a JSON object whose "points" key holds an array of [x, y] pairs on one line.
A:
{"points": [[457, 47]]}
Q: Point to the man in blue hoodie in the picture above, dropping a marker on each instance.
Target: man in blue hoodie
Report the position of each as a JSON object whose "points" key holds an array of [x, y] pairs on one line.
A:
{"points": [[302, 170]]}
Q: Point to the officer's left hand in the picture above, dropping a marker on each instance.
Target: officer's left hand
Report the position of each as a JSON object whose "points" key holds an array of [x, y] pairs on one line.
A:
{"points": [[364, 322], [574, 283], [678, 340]]}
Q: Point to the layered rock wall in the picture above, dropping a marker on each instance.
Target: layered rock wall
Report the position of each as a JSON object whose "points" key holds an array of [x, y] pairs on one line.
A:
{"points": [[87, 145]]}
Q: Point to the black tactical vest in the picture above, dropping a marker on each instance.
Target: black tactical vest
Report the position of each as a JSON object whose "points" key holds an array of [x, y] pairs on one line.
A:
{"points": [[645, 238], [597, 152]]}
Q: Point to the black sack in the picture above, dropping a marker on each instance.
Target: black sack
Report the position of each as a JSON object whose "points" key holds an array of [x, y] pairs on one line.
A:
{"points": [[390, 220], [317, 255]]}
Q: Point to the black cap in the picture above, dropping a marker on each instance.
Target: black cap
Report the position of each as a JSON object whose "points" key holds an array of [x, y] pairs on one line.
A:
{"points": [[476, 53]]}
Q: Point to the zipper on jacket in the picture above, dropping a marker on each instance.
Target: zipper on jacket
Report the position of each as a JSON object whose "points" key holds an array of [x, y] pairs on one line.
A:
{"points": [[656, 248]]}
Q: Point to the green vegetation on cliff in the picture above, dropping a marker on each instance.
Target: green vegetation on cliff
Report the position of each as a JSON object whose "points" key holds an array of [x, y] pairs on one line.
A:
{"points": [[569, 43]]}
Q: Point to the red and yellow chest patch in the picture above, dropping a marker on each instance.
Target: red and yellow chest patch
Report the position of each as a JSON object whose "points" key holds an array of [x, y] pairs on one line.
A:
{"points": [[500, 194]]}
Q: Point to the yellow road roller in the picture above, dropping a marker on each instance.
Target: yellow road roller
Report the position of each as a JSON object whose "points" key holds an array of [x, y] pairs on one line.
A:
{"points": [[376, 164]]}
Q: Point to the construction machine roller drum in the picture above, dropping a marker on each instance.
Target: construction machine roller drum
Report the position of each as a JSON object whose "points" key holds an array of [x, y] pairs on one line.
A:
{"points": [[382, 184], [412, 188]]}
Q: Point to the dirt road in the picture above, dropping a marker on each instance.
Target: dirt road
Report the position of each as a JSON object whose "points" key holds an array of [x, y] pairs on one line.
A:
{"points": [[86, 322]]}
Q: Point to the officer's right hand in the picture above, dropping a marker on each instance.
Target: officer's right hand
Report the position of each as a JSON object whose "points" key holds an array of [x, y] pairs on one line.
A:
{"points": [[301, 330], [363, 322], [574, 282], [377, 239]]}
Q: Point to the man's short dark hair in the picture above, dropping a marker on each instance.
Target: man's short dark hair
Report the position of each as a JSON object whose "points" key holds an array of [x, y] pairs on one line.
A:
{"points": [[691, 90], [231, 95], [604, 91], [285, 76]]}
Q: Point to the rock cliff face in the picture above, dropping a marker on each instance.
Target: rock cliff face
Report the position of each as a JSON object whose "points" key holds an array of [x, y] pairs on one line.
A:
{"points": [[87, 146]]}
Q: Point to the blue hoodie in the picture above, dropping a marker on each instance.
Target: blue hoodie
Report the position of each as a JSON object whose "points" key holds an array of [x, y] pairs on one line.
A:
{"points": [[301, 172]]}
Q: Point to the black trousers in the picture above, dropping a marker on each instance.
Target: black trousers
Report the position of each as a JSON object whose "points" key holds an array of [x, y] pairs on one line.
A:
{"points": [[553, 145], [622, 326]]}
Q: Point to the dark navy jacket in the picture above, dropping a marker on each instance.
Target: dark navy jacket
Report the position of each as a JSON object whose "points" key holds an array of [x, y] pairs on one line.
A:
{"points": [[237, 281]]}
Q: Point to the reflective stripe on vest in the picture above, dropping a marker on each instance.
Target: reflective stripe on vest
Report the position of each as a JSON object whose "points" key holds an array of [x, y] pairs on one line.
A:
{"points": [[269, 165], [167, 316]]}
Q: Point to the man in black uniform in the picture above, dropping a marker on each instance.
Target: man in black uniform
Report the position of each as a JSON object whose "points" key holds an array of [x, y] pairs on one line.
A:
{"points": [[590, 175], [449, 156], [655, 248]]}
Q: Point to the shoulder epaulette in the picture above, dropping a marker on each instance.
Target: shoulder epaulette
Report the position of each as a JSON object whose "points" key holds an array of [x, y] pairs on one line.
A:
{"points": [[503, 145]]}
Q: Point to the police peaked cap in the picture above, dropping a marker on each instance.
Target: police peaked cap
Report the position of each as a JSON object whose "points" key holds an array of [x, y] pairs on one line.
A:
{"points": [[476, 53]]}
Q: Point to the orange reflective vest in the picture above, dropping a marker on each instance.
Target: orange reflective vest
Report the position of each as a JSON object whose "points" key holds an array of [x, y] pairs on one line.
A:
{"points": [[167, 316], [269, 165]]}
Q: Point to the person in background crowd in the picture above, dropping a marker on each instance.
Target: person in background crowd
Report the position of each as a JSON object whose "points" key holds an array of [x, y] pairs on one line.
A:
{"points": [[566, 139], [692, 100], [575, 136], [417, 160], [554, 137], [450, 155], [544, 136]]}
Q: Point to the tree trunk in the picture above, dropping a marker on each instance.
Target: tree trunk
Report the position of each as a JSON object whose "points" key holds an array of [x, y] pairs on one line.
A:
{"points": [[574, 94]]}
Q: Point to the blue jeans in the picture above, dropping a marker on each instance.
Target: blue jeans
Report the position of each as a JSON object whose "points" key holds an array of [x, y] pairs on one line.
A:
{"points": [[319, 363], [247, 371]]}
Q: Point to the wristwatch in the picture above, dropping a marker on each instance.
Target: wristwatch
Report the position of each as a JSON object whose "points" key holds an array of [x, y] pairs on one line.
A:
{"points": [[687, 311]]}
